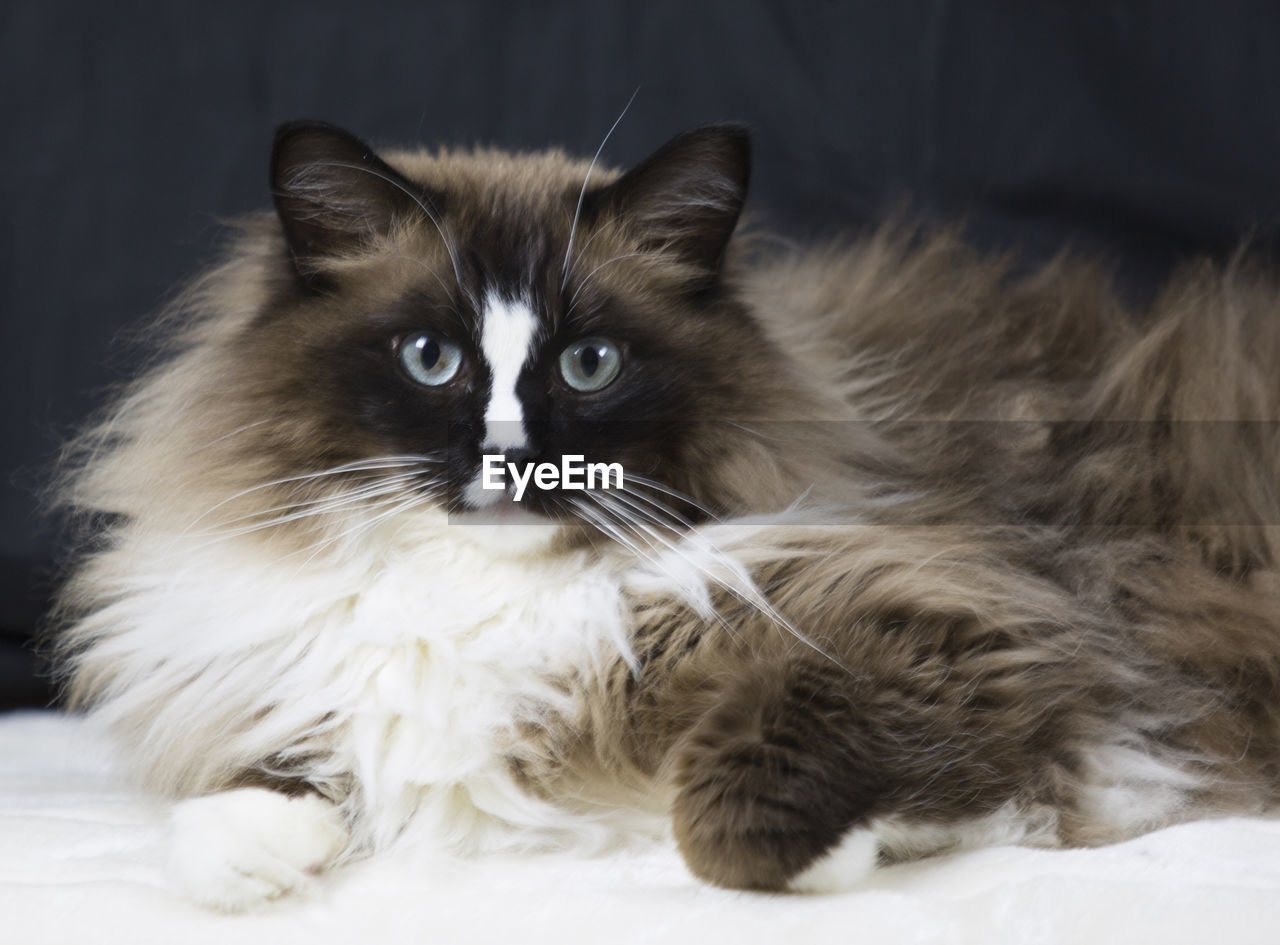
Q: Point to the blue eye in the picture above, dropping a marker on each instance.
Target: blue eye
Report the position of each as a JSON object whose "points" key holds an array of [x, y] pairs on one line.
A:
{"points": [[590, 364], [428, 359]]}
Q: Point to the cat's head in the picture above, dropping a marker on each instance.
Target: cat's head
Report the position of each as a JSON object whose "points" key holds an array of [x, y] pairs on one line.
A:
{"points": [[400, 319]]}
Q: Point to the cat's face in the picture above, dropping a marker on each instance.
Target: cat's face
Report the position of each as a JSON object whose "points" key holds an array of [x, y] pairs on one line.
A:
{"points": [[434, 309]]}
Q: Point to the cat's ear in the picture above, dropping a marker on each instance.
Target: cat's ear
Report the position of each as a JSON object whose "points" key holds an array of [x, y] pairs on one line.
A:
{"points": [[686, 196], [332, 193]]}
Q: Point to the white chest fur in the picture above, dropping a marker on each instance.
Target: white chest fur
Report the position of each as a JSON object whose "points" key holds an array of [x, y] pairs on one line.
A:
{"points": [[442, 653], [392, 672]]}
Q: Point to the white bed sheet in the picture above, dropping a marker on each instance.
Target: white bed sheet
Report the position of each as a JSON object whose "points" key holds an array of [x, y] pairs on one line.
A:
{"points": [[81, 861]]}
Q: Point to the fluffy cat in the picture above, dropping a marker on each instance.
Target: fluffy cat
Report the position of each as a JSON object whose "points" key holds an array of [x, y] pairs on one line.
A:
{"points": [[912, 551]]}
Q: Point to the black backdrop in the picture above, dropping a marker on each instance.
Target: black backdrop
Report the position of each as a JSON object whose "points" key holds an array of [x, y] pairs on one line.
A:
{"points": [[1144, 131]]}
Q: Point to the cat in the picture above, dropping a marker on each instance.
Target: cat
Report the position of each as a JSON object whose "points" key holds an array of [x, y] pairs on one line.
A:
{"points": [[911, 551]]}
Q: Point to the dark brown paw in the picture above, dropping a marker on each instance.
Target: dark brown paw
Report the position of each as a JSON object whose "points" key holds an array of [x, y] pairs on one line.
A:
{"points": [[769, 779]]}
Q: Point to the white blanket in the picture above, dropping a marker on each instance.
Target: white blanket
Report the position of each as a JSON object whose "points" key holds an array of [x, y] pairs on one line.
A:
{"points": [[81, 861]]}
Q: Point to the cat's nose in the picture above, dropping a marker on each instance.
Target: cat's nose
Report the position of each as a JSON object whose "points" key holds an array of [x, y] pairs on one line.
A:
{"points": [[517, 456]]}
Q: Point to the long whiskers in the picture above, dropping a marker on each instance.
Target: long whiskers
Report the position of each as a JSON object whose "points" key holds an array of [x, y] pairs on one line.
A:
{"points": [[363, 508], [431, 214], [650, 510], [582, 285], [606, 526], [743, 589], [614, 531], [389, 508], [308, 508], [573, 228], [680, 497], [356, 466]]}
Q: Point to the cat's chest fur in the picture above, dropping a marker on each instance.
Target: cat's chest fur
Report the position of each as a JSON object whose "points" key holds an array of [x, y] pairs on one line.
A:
{"points": [[443, 652], [399, 667]]}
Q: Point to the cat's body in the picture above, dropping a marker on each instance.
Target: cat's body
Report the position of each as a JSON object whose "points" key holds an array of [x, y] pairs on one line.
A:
{"points": [[914, 552]]}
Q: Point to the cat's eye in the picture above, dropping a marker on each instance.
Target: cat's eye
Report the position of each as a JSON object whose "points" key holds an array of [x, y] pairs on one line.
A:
{"points": [[429, 359], [590, 364]]}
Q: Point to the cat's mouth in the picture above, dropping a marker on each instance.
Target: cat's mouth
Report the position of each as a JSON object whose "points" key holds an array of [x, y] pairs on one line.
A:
{"points": [[504, 526], [477, 505], [510, 500], [498, 509]]}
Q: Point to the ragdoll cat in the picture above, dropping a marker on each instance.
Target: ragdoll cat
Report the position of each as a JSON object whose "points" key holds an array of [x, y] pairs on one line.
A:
{"points": [[910, 552]]}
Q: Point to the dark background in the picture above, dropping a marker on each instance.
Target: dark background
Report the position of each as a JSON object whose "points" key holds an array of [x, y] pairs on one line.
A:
{"points": [[1141, 131]]}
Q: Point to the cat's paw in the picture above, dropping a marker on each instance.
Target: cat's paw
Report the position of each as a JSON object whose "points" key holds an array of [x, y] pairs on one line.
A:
{"points": [[841, 868], [770, 782], [236, 850]]}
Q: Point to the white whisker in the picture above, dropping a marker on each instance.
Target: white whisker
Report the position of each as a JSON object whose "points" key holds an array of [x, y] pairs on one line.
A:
{"points": [[623, 519], [604, 525], [365, 523], [343, 506], [653, 560], [583, 284], [314, 507], [573, 228], [675, 494], [359, 465], [748, 594], [431, 215], [651, 511]]}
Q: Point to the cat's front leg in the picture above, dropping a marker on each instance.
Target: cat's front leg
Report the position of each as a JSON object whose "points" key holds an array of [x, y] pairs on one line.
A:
{"points": [[782, 782], [238, 849], [769, 779]]}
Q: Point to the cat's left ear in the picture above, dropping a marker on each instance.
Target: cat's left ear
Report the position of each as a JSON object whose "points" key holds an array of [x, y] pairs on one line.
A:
{"points": [[333, 194], [685, 198]]}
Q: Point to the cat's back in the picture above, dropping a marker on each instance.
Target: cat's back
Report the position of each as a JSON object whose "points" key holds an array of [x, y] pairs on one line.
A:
{"points": [[917, 324]]}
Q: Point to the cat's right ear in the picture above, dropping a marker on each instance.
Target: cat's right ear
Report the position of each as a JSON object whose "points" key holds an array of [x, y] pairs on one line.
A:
{"points": [[685, 198], [333, 194]]}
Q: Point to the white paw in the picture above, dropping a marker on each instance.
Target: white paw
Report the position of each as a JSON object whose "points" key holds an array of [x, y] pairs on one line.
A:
{"points": [[238, 849], [841, 868]]}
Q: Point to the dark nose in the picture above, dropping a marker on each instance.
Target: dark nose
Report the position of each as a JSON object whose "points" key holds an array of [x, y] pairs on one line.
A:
{"points": [[519, 455]]}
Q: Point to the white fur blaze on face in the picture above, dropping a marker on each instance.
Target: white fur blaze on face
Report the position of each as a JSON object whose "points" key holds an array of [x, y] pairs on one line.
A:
{"points": [[506, 340]]}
